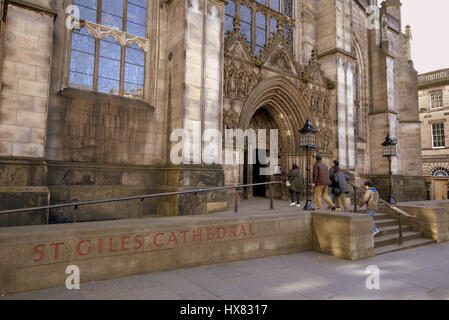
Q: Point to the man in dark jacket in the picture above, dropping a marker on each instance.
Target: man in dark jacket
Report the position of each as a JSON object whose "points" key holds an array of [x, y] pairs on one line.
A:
{"points": [[340, 188], [296, 179], [321, 183]]}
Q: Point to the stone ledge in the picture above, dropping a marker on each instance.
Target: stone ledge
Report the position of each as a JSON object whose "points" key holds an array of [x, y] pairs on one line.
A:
{"points": [[73, 93], [36, 257], [344, 235], [431, 218]]}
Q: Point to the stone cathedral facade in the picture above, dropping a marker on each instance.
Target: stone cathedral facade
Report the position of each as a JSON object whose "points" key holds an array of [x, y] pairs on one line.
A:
{"points": [[88, 105]]}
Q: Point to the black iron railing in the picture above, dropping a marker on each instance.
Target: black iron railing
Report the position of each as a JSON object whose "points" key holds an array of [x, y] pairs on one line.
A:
{"points": [[399, 212], [76, 205]]}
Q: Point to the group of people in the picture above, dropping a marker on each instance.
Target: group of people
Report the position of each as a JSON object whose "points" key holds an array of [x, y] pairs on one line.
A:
{"points": [[332, 186]]}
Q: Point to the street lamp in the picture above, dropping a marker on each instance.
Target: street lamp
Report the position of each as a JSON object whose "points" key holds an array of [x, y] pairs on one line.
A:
{"points": [[389, 151], [308, 143]]}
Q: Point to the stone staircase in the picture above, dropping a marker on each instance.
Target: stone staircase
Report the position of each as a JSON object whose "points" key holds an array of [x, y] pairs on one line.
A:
{"points": [[387, 240]]}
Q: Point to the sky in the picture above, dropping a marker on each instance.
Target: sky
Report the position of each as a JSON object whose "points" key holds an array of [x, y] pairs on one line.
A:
{"points": [[429, 20]]}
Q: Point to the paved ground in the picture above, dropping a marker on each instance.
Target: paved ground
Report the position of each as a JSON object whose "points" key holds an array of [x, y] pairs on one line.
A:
{"points": [[421, 273]]}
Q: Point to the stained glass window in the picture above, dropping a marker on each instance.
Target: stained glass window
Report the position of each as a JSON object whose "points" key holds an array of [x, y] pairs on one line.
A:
{"points": [[288, 33], [104, 64], [275, 5], [246, 23], [261, 31], [229, 16], [288, 8], [259, 19]]}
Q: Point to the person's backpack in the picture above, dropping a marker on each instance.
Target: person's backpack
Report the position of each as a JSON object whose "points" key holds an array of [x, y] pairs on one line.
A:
{"points": [[336, 189]]}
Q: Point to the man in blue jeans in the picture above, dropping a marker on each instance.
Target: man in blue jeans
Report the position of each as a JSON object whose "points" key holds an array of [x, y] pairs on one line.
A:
{"points": [[371, 199]]}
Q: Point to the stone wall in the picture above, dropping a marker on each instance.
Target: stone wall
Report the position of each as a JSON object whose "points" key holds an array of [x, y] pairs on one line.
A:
{"points": [[37, 257], [25, 82]]}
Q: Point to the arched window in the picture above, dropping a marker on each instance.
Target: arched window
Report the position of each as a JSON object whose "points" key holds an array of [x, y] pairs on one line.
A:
{"points": [[440, 172], [108, 50], [259, 19]]}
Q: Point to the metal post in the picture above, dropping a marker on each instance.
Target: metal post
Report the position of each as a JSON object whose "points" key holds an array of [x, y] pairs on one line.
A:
{"points": [[309, 206], [193, 204], [75, 217], [236, 201], [401, 238], [390, 174], [355, 199], [271, 197]]}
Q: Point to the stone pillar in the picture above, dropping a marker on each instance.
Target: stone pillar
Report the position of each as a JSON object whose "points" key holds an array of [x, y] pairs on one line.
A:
{"points": [[195, 45], [25, 80]]}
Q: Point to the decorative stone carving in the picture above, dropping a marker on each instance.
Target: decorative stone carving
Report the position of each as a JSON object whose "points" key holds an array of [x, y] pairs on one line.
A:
{"points": [[125, 39], [323, 138], [230, 118], [240, 86], [279, 60]]}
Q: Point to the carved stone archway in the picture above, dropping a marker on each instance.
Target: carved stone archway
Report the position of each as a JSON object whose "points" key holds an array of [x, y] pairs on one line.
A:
{"points": [[287, 110], [287, 105]]}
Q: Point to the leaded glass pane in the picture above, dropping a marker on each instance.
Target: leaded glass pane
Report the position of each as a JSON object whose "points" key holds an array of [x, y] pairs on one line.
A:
{"points": [[246, 14], [229, 16], [88, 9], [273, 25], [275, 5], [112, 14], [136, 20], [82, 63], [288, 8], [288, 33], [230, 8], [261, 21], [246, 17], [109, 66]]}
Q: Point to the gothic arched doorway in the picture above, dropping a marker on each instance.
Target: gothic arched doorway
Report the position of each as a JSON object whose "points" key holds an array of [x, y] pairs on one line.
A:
{"points": [[274, 104]]}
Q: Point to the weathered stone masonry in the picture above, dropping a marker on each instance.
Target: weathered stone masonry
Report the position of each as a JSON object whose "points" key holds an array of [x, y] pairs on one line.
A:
{"points": [[320, 60]]}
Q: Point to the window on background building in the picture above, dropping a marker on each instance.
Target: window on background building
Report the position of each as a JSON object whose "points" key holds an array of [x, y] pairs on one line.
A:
{"points": [[436, 99], [438, 136], [440, 172], [259, 19], [108, 52]]}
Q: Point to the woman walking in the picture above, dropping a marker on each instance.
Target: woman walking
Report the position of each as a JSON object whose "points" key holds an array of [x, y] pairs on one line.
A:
{"points": [[296, 179]]}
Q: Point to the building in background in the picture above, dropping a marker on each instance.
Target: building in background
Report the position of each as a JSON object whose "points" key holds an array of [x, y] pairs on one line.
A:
{"points": [[434, 117], [88, 113]]}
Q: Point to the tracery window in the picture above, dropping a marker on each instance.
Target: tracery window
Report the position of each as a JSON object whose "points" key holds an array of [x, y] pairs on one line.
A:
{"points": [[259, 19], [439, 172], [109, 49]]}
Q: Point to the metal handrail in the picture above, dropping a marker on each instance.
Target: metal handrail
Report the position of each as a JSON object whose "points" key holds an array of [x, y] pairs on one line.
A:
{"points": [[382, 201], [401, 213], [76, 205]]}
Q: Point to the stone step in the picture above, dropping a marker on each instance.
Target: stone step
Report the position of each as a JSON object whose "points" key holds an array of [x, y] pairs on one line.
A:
{"points": [[381, 216], [384, 231], [407, 245], [381, 241], [386, 223]]}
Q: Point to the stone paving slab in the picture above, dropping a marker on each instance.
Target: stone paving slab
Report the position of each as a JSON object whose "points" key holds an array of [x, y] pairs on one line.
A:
{"points": [[420, 274]]}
